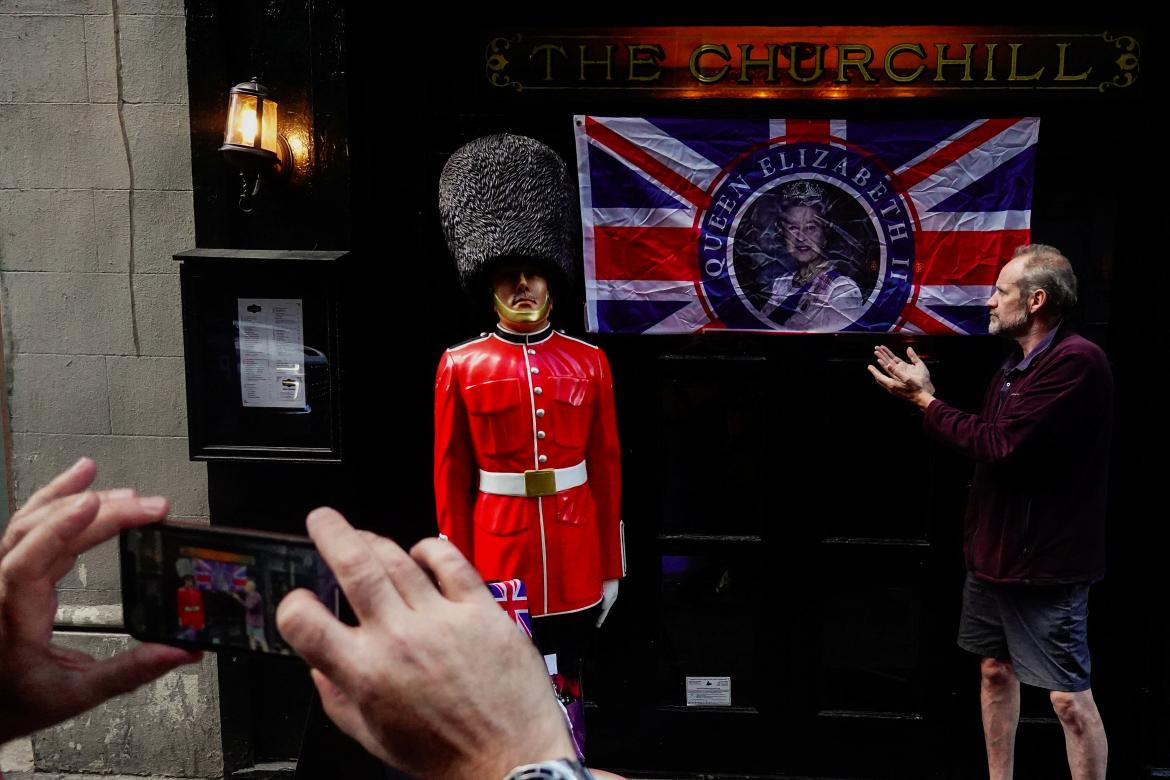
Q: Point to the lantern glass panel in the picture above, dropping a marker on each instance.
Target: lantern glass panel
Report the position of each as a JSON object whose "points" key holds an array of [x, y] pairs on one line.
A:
{"points": [[269, 130], [242, 123]]}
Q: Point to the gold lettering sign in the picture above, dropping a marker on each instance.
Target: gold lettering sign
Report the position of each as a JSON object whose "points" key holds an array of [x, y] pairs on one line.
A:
{"points": [[808, 62]]}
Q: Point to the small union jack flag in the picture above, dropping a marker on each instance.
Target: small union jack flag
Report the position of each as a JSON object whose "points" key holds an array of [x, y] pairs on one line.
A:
{"points": [[217, 575], [512, 597]]}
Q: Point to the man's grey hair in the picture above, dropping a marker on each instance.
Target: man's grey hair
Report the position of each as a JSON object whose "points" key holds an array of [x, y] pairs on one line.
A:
{"points": [[1047, 269]]}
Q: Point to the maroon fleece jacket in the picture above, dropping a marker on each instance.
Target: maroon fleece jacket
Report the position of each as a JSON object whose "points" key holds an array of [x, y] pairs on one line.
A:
{"points": [[1036, 513]]}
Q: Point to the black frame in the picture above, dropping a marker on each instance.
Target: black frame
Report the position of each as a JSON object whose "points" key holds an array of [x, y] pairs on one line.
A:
{"points": [[274, 273]]}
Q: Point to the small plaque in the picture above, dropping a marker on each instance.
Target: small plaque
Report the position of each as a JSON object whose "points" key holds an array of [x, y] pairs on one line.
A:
{"points": [[708, 691]]}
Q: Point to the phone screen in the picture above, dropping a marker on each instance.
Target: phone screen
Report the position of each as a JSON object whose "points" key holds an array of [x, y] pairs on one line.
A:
{"points": [[216, 588]]}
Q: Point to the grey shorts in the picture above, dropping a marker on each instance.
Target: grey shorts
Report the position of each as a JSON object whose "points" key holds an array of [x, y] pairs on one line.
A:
{"points": [[1043, 630]]}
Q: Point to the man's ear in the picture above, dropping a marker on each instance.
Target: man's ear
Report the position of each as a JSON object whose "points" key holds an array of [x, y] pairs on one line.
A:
{"points": [[1038, 298]]}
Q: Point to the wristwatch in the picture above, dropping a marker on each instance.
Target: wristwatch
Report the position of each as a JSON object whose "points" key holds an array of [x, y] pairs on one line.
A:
{"points": [[559, 769]]}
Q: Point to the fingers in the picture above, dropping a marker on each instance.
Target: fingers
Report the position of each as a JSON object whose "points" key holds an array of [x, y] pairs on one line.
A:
{"points": [[889, 384], [117, 510], [317, 636], [359, 573], [457, 579], [114, 494], [120, 514], [73, 480], [28, 518], [602, 616], [413, 587], [49, 540], [62, 567], [128, 671]]}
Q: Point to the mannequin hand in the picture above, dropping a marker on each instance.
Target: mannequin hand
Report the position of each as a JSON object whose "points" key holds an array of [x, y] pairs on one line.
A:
{"points": [[609, 594]]}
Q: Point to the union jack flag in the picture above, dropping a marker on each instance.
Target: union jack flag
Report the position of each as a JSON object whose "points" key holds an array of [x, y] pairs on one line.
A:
{"points": [[217, 575], [688, 223], [512, 597]]}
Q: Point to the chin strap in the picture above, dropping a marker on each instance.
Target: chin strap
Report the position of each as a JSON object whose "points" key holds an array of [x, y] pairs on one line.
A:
{"points": [[515, 315]]}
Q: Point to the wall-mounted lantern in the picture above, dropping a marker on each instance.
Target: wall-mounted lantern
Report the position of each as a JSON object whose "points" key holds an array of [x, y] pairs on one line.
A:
{"points": [[251, 139]]}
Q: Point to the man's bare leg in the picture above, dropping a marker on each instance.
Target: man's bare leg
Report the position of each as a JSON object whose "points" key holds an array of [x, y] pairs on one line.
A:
{"points": [[999, 697], [1084, 734]]}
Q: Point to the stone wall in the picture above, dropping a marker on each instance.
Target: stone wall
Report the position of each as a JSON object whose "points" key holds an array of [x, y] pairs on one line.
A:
{"points": [[95, 197]]}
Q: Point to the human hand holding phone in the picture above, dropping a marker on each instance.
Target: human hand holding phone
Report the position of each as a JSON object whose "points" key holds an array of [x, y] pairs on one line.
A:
{"points": [[42, 683], [435, 679]]}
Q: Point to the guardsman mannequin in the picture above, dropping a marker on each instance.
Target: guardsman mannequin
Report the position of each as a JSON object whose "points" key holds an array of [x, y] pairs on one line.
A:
{"points": [[527, 463]]}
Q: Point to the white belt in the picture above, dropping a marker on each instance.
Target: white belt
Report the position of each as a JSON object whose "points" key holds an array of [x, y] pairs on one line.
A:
{"points": [[534, 483]]}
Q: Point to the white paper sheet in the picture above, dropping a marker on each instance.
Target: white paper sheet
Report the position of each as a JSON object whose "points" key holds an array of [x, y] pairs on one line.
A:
{"points": [[272, 352], [708, 691]]}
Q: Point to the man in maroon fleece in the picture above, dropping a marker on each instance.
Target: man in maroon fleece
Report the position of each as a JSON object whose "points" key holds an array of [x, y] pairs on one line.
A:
{"points": [[1034, 534]]}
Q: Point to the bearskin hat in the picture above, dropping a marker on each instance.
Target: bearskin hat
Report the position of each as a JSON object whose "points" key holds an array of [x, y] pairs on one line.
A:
{"points": [[508, 197]]}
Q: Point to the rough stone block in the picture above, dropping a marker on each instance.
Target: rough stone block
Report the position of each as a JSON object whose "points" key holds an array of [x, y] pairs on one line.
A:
{"points": [[154, 58], [172, 722], [167, 7], [147, 396], [55, 6], [47, 230], [42, 59], [59, 394], [159, 311], [67, 146], [16, 756], [88, 607], [101, 59], [164, 223], [96, 569], [71, 314], [152, 464], [111, 212], [160, 145]]}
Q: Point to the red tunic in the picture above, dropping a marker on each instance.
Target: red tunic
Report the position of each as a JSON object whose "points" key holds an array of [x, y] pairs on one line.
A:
{"points": [[511, 403], [190, 604]]}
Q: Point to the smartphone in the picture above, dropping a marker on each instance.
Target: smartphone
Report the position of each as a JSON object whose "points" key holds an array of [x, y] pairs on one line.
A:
{"points": [[216, 589]]}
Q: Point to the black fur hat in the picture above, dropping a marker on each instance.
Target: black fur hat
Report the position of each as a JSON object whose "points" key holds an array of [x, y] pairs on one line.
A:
{"points": [[508, 197]]}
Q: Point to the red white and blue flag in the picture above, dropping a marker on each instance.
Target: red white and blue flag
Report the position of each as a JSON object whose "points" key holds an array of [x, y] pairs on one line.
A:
{"points": [[701, 224], [512, 597], [218, 575]]}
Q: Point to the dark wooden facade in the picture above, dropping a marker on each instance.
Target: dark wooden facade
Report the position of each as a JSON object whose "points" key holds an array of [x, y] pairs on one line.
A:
{"points": [[812, 553]]}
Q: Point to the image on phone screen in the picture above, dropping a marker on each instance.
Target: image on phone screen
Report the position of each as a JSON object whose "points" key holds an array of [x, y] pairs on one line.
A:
{"points": [[216, 588]]}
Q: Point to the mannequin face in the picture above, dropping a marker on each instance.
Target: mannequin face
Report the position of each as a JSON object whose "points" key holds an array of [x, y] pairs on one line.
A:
{"points": [[523, 289]]}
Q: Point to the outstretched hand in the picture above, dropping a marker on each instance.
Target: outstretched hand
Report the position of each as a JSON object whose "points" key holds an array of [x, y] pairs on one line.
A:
{"points": [[907, 380], [42, 683]]}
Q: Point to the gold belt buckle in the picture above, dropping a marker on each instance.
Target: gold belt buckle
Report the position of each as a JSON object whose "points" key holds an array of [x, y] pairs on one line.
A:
{"points": [[540, 482]]}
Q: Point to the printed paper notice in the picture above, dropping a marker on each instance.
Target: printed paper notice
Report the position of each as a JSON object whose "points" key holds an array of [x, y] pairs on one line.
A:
{"points": [[708, 691], [272, 352]]}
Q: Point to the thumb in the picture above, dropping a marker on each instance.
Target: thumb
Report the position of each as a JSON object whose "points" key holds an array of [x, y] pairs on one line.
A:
{"points": [[913, 356]]}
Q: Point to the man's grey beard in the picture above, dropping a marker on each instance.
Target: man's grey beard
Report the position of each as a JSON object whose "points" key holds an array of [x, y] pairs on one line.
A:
{"points": [[1010, 328]]}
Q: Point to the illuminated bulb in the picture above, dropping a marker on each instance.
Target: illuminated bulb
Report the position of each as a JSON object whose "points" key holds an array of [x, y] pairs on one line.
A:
{"points": [[248, 126]]}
